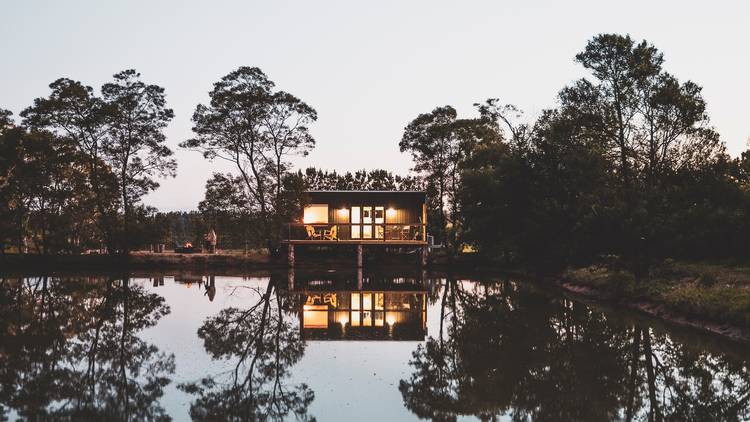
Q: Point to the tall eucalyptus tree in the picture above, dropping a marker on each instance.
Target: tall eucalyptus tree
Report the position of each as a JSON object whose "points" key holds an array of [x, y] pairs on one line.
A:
{"points": [[257, 129]]}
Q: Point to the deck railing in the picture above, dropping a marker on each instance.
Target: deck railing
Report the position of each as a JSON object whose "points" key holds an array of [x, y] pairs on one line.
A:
{"points": [[384, 232]]}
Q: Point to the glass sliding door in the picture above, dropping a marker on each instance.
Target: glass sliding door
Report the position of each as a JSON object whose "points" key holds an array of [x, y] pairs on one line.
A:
{"points": [[367, 222], [355, 219], [379, 221]]}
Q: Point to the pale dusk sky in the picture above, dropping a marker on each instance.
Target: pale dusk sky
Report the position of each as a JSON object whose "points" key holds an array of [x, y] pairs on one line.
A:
{"points": [[368, 68]]}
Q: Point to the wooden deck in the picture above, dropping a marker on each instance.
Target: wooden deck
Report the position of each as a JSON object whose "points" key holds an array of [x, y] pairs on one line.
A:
{"points": [[357, 242]]}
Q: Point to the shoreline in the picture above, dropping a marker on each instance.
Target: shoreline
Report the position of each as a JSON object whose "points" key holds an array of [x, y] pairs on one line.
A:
{"points": [[700, 308], [222, 263], [598, 291], [663, 313]]}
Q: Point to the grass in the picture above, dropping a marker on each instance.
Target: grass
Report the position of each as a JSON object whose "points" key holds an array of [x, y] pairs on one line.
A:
{"points": [[717, 292]]}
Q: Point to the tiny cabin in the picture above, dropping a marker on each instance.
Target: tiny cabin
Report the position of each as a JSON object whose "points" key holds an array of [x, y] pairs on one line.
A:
{"points": [[384, 304], [390, 218], [362, 217], [364, 315]]}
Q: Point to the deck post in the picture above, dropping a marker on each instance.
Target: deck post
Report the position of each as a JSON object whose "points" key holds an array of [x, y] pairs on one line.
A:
{"points": [[423, 259], [360, 278], [290, 283], [359, 256], [290, 255]]}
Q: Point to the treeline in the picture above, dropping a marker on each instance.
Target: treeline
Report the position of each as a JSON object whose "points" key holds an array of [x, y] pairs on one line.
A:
{"points": [[626, 166], [73, 172]]}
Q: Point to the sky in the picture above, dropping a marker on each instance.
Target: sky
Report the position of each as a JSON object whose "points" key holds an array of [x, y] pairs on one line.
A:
{"points": [[368, 68]]}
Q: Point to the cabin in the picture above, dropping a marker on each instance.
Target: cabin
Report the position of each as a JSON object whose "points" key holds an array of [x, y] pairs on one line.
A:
{"points": [[346, 305], [364, 315], [361, 218]]}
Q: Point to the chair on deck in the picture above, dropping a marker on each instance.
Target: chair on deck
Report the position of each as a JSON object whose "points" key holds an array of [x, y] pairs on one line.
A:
{"points": [[311, 233], [331, 234]]}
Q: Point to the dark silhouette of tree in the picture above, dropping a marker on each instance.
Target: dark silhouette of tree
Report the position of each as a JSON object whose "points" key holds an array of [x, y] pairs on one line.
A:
{"points": [[648, 125], [316, 179], [121, 136], [627, 165], [43, 180], [264, 346], [506, 350], [136, 116], [72, 350], [73, 111], [439, 142], [256, 129]]}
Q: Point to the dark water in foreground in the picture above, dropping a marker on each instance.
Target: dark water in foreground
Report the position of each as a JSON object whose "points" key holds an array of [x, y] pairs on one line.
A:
{"points": [[347, 346]]}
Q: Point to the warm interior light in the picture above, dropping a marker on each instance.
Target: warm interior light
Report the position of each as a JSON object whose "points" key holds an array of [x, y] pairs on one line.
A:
{"points": [[343, 320], [390, 213], [315, 316], [315, 214], [390, 319]]}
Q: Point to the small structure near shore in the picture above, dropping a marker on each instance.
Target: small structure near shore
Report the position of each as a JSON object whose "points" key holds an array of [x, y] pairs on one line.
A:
{"points": [[361, 218]]}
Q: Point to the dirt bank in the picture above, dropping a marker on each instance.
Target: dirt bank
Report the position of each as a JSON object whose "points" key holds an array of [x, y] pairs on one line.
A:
{"points": [[713, 298]]}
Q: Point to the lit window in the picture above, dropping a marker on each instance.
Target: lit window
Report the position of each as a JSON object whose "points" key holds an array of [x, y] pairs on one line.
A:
{"points": [[379, 319], [316, 214], [367, 301], [315, 316], [355, 301]]}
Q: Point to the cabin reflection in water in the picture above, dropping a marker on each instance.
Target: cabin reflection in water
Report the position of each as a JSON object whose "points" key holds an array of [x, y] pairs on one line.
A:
{"points": [[375, 309]]}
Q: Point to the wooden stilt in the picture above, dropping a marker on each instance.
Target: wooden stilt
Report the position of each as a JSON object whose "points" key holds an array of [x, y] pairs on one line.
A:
{"points": [[290, 256], [359, 256], [424, 256]]}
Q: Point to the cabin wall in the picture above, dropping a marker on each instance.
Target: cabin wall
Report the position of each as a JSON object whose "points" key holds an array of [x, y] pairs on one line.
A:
{"points": [[405, 209]]}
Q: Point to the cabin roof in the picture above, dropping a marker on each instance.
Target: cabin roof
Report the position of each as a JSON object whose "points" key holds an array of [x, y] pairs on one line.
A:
{"points": [[385, 196]]}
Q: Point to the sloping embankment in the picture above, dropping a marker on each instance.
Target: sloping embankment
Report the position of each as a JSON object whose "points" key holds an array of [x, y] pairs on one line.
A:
{"points": [[709, 297]]}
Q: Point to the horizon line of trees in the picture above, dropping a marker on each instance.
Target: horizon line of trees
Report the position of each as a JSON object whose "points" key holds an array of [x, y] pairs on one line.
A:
{"points": [[73, 173], [626, 165]]}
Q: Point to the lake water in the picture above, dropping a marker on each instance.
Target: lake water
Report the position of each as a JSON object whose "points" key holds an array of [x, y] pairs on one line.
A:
{"points": [[347, 345]]}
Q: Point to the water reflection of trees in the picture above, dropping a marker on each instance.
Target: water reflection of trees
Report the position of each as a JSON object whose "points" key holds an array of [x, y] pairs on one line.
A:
{"points": [[71, 350], [504, 350], [262, 346]]}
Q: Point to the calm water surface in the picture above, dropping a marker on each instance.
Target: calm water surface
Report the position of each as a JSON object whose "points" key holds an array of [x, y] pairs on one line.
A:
{"points": [[343, 346]]}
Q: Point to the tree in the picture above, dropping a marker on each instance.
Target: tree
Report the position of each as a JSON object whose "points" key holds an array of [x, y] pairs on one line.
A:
{"points": [[648, 124], [74, 351], [378, 179], [43, 182], [255, 128], [539, 199], [73, 111], [136, 116], [438, 143], [265, 346]]}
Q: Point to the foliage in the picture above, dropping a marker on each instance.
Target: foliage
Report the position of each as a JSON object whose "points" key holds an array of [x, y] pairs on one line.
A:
{"points": [[265, 347], [627, 165], [439, 142], [256, 129], [506, 351], [136, 115], [73, 350], [316, 179], [119, 141], [43, 180]]}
